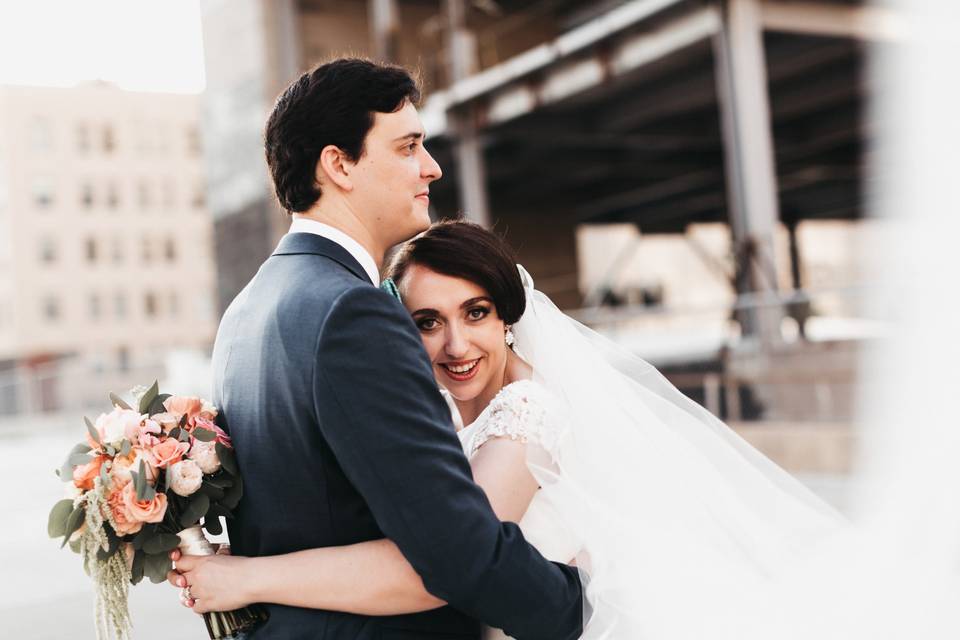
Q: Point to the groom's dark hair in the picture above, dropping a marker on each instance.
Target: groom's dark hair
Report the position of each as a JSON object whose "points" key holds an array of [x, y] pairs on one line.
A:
{"points": [[332, 104], [468, 251]]}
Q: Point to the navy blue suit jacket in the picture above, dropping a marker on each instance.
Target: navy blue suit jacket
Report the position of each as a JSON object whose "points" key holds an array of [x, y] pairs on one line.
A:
{"points": [[342, 436]]}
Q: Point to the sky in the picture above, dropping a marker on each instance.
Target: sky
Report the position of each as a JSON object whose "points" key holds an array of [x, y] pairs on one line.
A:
{"points": [[139, 45]]}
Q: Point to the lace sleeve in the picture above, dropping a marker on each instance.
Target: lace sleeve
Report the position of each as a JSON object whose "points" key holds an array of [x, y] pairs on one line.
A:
{"points": [[521, 411]]}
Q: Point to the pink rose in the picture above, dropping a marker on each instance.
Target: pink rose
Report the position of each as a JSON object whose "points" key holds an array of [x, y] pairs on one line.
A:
{"points": [[144, 510], [184, 478], [209, 425], [113, 427], [168, 452], [147, 434]]}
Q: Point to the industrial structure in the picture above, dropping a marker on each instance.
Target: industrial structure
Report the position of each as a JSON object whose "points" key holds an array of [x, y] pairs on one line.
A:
{"points": [[547, 115]]}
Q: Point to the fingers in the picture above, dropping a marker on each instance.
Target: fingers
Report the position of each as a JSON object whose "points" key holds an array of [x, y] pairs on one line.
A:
{"points": [[176, 579], [189, 563], [187, 602], [175, 555]]}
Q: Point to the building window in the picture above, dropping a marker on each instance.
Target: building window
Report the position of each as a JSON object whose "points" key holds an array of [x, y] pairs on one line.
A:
{"points": [[146, 251], [41, 134], [150, 305], [170, 250], [83, 138], [91, 250], [48, 251], [86, 195], [199, 198], [169, 194], [51, 309], [109, 141], [194, 143], [94, 306], [143, 195], [42, 191], [120, 305], [117, 253], [123, 359], [113, 196]]}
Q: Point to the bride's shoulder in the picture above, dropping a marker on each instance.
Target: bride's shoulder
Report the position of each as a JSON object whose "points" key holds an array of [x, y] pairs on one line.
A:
{"points": [[523, 410]]}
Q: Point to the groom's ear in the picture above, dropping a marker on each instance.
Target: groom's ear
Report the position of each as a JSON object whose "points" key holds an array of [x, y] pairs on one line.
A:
{"points": [[334, 166]]}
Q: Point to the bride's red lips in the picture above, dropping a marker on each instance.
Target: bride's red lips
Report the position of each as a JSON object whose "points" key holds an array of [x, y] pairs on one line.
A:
{"points": [[458, 376]]}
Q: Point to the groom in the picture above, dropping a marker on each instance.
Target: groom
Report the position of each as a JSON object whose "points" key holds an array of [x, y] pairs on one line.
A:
{"points": [[340, 432]]}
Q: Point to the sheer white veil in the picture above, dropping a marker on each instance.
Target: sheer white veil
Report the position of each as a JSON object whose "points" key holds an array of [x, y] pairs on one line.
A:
{"points": [[683, 524]]}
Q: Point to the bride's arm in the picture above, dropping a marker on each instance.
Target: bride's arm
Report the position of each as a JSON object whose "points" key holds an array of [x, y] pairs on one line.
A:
{"points": [[369, 578]]}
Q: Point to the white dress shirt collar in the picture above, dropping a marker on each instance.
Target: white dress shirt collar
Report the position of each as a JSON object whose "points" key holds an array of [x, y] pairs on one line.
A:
{"points": [[305, 225]]}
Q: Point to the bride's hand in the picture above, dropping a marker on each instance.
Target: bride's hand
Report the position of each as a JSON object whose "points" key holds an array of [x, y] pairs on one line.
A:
{"points": [[217, 583]]}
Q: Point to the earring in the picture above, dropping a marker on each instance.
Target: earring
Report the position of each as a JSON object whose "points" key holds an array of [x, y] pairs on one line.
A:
{"points": [[508, 337]]}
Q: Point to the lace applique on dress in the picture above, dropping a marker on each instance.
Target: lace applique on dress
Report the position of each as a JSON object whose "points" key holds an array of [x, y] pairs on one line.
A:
{"points": [[523, 411]]}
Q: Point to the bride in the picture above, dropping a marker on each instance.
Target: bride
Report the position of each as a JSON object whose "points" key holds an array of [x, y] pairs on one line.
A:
{"points": [[679, 527]]}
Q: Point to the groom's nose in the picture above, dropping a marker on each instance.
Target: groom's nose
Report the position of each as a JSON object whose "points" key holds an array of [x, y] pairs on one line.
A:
{"points": [[429, 169]]}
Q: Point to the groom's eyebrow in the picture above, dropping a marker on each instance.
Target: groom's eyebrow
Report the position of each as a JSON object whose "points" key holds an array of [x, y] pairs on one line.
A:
{"points": [[413, 135]]}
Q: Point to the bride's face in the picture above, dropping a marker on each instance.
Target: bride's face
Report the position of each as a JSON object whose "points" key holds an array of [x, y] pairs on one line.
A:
{"points": [[461, 331]]}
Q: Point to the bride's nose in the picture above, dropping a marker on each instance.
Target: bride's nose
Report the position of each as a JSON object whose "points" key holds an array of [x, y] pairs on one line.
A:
{"points": [[455, 344]]}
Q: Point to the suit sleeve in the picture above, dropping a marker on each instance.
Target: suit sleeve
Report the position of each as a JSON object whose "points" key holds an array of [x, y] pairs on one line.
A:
{"points": [[380, 411]]}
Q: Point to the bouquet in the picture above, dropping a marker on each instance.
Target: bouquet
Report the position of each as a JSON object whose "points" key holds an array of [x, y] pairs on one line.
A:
{"points": [[142, 484]]}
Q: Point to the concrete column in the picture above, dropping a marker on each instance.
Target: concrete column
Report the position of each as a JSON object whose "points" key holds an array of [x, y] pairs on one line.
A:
{"points": [[471, 174], [751, 175]]}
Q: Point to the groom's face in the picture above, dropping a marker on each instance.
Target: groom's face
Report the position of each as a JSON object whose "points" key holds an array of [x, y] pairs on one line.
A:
{"points": [[392, 178]]}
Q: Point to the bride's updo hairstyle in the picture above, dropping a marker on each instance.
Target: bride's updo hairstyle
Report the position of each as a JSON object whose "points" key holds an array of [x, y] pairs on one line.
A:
{"points": [[468, 251]]}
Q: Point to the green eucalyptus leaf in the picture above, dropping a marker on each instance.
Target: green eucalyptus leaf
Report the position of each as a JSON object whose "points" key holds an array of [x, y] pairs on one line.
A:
{"points": [[227, 459], [204, 435], [199, 504], [74, 546], [92, 431], [74, 520], [125, 448], [77, 459], [118, 401], [57, 520], [184, 435], [136, 571], [104, 476], [111, 451], [161, 543], [232, 495], [213, 526], [143, 535], [147, 399], [113, 544], [157, 405], [156, 567], [212, 491]]}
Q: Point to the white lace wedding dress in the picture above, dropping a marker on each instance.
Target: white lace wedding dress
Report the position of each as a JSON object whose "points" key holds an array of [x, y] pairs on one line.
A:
{"points": [[526, 411]]}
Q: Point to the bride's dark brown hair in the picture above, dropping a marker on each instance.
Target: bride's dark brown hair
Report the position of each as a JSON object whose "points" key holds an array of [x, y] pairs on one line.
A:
{"points": [[468, 251]]}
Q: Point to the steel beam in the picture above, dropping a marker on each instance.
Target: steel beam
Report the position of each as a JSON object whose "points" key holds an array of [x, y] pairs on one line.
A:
{"points": [[748, 147], [822, 19]]}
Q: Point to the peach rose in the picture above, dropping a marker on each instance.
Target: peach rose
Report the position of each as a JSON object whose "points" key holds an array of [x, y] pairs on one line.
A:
{"points": [[207, 410], [183, 406], [123, 520], [85, 474], [123, 465], [168, 452], [144, 510]]}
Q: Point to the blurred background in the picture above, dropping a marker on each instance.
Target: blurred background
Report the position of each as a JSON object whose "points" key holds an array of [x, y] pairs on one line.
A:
{"points": [[689, 177]]}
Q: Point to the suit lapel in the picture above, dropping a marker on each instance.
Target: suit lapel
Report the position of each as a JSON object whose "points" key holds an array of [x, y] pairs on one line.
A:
{"points": [[310, 243]]}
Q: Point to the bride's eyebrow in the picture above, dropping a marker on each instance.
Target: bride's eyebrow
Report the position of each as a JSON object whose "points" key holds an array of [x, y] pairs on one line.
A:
{"points": [[425, 312], [473, 301]]}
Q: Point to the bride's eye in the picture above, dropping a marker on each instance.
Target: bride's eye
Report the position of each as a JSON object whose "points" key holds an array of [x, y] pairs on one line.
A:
{"points": [[478, 313]]}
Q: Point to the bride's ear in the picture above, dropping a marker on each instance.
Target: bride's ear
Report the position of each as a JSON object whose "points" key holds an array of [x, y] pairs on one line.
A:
{"points": [[333, 166]]}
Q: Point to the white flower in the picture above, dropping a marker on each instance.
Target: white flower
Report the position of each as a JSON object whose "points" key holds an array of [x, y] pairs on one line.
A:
{"points": [[185, 477], [207, 408], [205, 455], [120, 423]]}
